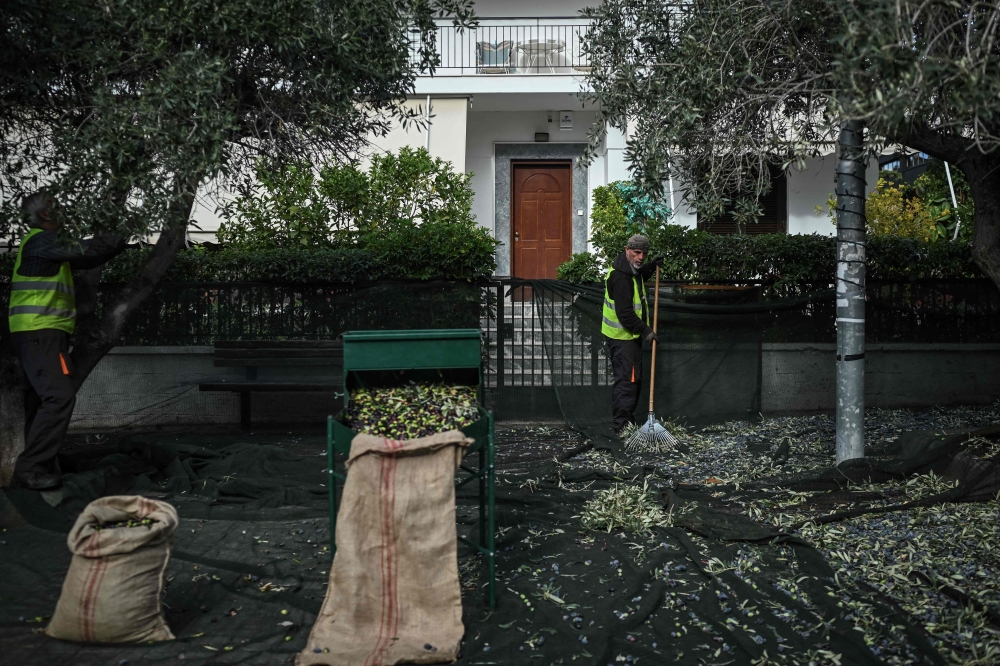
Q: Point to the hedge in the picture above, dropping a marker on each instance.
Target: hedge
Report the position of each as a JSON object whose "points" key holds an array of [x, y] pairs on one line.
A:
{"points": [[699, 255], [426, 252]]}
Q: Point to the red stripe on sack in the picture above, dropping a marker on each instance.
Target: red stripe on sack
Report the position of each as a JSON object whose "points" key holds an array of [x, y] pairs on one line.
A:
{"points": [[389, 619], [372, 659], [85, 602], [394, 580], [88, 602], [392, 561]]}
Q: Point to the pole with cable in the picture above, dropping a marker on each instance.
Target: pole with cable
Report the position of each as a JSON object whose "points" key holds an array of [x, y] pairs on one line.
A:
{"points": [[851, 293]]}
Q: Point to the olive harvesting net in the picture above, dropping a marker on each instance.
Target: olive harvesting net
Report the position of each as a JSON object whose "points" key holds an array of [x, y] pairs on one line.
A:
{"points": [[599, 557], [743, 544]]}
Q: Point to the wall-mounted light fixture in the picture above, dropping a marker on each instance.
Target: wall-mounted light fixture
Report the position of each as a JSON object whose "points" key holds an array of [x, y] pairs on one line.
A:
{"points": [[541, 137]]}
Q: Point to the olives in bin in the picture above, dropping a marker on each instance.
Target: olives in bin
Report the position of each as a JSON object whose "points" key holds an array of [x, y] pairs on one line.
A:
{"points": [[412, 410]]}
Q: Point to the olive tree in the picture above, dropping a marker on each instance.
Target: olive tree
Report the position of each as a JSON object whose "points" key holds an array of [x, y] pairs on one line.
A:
{"points": [[717, 91], [125, 109]]}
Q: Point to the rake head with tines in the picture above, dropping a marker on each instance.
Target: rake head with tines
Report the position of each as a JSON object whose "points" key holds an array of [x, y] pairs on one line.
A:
{"points": [[650, 437]]}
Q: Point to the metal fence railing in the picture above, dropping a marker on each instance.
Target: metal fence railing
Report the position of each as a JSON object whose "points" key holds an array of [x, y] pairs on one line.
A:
{"points": [[533, 335], [513, 46]]}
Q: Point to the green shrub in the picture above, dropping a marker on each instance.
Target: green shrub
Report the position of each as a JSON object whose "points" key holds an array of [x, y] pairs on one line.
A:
{"points": [[608, 225], [889, 212], [621, 209], [583, 267], [788, 259], [409, 216], [802, 258], [435, 250], [300, 205], [932, 188]]}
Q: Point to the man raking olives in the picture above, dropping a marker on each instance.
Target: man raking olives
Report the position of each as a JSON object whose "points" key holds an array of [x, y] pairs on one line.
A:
{"points": [[626, 324]]}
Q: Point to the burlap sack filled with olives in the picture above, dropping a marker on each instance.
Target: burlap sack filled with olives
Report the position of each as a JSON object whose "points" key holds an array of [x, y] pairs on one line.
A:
{"points": [[394, 595], [121, 546]]}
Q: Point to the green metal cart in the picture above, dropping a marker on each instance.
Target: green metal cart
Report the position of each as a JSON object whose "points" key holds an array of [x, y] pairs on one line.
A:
{"points": [[388, 358]]}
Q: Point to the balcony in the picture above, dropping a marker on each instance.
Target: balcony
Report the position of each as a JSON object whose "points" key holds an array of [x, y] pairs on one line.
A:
{"points": [[514, 46]]}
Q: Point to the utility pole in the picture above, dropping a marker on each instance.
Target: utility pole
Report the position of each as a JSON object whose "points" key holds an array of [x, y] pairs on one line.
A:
{"points": [[851, 293]]}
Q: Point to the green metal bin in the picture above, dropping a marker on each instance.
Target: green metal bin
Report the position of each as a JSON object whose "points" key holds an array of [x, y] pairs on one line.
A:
{"points": [[385, 358]]}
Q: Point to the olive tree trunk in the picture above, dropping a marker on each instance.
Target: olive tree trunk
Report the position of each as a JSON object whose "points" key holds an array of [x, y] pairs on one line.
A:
{"points": [[983, 175], [982, 171], [11, 407], [95, 336], [850, 397]]}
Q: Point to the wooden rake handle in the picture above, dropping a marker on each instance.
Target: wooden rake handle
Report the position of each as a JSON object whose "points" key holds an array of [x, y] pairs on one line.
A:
{"points": [[656, 317]]}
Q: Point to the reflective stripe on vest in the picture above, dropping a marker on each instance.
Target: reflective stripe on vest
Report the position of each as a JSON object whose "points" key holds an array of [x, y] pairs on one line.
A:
{"points": [[41, 302], [40, 285], [40, 310], [610, 326]]}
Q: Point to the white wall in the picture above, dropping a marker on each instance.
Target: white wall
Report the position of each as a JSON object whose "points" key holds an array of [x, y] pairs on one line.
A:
{"points": [[447, 141], [806, 190], [531, 8], [446, 131], [150, 386], [810, 188], [489, 127]]}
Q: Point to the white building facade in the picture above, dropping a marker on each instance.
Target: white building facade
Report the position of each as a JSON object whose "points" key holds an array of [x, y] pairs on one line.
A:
{"points": [[506, 105]]}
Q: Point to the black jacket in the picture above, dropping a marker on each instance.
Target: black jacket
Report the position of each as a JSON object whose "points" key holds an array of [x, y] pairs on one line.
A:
{"points": [[620, 290], [44, 252]]}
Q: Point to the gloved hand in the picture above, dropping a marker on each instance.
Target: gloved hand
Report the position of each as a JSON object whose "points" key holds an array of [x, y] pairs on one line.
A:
{"points": [[651, 336], [657, 259]]}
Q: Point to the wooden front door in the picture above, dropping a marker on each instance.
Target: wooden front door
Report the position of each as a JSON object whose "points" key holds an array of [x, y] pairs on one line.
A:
{"points": [[542, 229]]}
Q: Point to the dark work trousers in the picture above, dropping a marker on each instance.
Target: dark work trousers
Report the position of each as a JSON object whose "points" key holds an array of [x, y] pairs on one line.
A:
{"points": [[626, 364], [49, 398]]}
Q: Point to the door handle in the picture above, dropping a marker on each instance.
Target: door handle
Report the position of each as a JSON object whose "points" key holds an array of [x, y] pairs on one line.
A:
{"points": [[517, 236]]}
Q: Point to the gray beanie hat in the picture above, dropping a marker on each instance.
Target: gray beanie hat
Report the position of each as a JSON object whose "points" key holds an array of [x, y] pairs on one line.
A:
{"points": [[638, 242]]}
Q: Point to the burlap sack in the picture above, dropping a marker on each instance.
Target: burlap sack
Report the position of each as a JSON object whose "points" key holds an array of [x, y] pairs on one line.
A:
{"points": [[394, 595], [112, 591]]}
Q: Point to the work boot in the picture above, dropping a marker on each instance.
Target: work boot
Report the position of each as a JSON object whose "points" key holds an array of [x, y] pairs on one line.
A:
{"points": [[38, 480]]}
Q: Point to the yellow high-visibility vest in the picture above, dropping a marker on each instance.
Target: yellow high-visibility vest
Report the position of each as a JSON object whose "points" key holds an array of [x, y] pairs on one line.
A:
{"points": [[41, 302], [613, 328]]}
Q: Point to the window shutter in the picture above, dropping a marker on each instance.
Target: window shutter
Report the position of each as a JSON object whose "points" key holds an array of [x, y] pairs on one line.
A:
{"points": [[774, 220]]}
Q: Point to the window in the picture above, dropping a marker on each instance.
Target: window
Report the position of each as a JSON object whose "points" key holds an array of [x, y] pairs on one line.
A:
{"points": [[773, 221]]}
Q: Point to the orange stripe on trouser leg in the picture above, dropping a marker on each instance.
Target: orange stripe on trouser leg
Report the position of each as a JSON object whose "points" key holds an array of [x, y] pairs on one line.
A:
{"points": [[633, 374], [62, 361]]}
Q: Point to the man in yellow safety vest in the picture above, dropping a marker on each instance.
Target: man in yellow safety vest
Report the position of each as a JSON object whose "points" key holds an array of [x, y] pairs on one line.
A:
{"points": [[42, 317], [626, 323]]}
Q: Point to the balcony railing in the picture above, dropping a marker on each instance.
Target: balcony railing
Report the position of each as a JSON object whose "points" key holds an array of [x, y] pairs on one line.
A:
{"points": [[514, 46]]}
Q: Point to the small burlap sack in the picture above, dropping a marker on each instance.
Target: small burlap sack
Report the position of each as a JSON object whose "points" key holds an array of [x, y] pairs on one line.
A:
{"points": [[394, 595], [112, 591]]}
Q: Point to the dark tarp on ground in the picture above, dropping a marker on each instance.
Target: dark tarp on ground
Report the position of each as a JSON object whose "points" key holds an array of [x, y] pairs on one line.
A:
{"points": [[249, 506]]}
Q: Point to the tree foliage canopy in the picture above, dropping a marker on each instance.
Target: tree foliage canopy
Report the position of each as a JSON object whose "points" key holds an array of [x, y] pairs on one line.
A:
{"points": [[123, 107], [716, 90]]}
